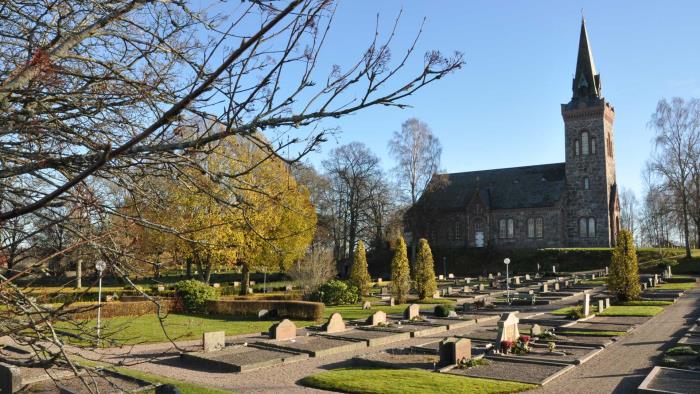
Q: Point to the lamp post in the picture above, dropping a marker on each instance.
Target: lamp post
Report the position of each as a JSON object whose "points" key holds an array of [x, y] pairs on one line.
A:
{"points": [[100, 267], [506, 261]]}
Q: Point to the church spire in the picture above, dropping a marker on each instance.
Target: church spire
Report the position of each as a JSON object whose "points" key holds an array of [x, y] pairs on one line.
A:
{"points": [[586, 80]]}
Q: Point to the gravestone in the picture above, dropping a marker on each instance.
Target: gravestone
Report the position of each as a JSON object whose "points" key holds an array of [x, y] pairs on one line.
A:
{"points": [[498, 274], [450, 276], [441, 277], [656, 280], [554, 269], [651, 282], [379, 280], [378, 317], [335, 323], [367, 305], [250, 290], [556, 286], [527, 276], [516, 280], [481, 287], [263, 314], [236, 284], [644, 286], [567, 284], [530, 292], [449, 290], [538, 267], [436, 294], [490, 276], [288, 287], [592, 276], [252, 283], [535, 329], [392, 301], [467, 280], [161, 288], [213, 341], [411, 312], [109, 298], [10, 379], [466, 289], [668, 271], [586, 305], [216, 285], [454, 350], [544, 288], [283, 330], [452, 314], [601, 306], [508, 328], [607, 303], [607, 270]]}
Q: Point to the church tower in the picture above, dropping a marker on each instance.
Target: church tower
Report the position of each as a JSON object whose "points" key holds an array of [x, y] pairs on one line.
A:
{"points": [[591, 210]]}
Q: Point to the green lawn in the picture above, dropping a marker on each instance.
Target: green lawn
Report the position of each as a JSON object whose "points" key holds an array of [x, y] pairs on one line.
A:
{"points": [[389, 381], [645, 303], [592, 333], [675, 286], [350, 312], [565, 311], [596, 282], [622, 310]]}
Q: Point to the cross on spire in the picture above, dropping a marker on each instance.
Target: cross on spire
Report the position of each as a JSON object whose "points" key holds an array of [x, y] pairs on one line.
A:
{"points": [[586, 81]]}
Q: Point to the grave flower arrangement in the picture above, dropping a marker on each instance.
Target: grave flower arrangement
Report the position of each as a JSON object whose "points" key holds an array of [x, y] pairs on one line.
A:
{"points": [[506, 346], [522, 345]]}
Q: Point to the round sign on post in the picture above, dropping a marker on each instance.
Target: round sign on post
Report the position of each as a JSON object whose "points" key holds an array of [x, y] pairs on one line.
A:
{"points": [[506, 261], [100, 266]]}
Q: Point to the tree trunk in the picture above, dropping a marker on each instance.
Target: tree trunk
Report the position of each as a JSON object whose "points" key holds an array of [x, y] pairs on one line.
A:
{"points": [[188, 263], [79, 274], [686, 227], [245, 280]]}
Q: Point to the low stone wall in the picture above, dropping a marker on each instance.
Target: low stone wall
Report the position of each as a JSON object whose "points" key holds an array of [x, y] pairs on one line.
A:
{"points": [[302, 310]]}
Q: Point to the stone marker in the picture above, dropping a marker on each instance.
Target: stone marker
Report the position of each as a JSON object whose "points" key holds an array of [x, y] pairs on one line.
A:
{"points": [[288, 287], [283, 330], [607, 303], [481, 287], [392, 302], [452, 314], [379, 280], [450, 276], [436, 294], [498, 274], [601, 306], [379, 317], [466, 289], [651, 282], [411, 312], [567, 284], [367, 305], [507, 328], [535, 329], [467, 280], [516, 280], [252, 283], [250, 290], [527, 276], [216, 285], [109, 298], [449, 290], [214, 341], [454, 350], [556, 286], [544, 288], [161, 288], [490, 276], [656, 280], [668, 269], [335, 323], [441, 277], [10, 379], [263, 314], [530, 292], [586, 305], [236, 284], [554, 269], [592, 276], [644, 286]]}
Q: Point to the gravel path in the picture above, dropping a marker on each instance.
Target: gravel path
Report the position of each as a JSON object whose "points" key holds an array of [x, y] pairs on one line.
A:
{"points": [[623, 365]]}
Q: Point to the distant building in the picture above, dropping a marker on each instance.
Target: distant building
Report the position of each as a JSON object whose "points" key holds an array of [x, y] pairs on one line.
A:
{"points": [[569, 204]]}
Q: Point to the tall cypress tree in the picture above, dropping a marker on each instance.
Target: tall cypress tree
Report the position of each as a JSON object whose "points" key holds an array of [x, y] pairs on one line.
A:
{"points": [[400, 272], [624, 271], [359, 273], [425, 270]]}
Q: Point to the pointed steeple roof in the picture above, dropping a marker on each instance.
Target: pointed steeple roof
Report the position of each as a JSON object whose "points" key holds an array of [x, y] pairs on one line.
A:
{"points": [[586, 80]]}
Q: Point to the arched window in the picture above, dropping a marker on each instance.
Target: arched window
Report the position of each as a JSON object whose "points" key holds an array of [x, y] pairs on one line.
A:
{"points": [[539, 227], [531, 227], [584, 143], [586, 183], [510, 228], [586, 227], [577, 148], [593, 147]]}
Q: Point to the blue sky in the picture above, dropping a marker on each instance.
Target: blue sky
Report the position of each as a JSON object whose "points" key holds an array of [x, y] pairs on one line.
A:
{"points": [[503, 108]]}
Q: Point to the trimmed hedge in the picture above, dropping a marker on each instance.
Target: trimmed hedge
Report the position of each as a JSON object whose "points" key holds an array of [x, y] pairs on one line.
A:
{"points": [[119, 309], [302, 310]]}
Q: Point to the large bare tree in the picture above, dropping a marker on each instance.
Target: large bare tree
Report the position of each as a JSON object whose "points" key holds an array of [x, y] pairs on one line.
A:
{"points": [[677, 137], [97, 96]]}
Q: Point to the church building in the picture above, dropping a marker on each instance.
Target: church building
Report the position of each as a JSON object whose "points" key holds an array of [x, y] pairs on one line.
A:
{"points": [[569, 204]]}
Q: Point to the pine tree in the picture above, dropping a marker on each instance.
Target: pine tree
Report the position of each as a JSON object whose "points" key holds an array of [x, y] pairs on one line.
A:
{"points": [[359, 274], [400, 275], [425, 270], [624, 272]]}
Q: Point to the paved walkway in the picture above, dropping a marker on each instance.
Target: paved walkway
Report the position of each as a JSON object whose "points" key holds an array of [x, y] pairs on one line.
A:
{"points": [[623, 365]]}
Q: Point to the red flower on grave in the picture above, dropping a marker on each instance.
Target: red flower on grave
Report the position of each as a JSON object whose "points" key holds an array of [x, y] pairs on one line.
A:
{"points": [[525, 338], [506, 346]]}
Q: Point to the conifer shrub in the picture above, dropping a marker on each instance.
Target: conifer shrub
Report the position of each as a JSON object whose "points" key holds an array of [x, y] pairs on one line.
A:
{"points": [[359, 273], [195, 294], [623, 279], [425, 270], [400, 272]]}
